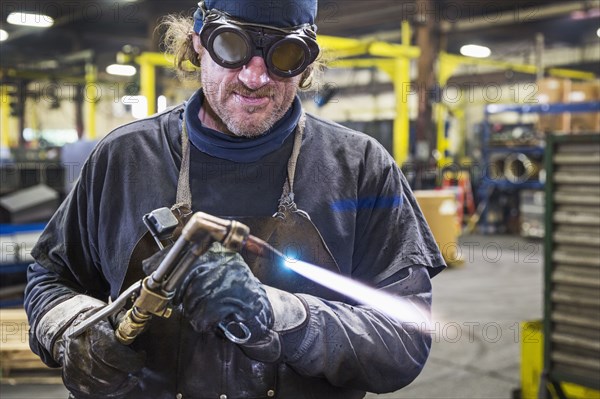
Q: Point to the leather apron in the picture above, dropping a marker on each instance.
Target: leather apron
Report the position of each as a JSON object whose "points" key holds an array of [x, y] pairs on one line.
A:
{"points": [[182, 363]]}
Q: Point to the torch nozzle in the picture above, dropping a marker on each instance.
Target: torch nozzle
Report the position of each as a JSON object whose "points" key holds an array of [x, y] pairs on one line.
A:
{"points": [[261, 248]]}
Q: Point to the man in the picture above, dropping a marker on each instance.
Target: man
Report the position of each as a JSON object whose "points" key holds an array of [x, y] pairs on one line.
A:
{"points": [[241, 147]]}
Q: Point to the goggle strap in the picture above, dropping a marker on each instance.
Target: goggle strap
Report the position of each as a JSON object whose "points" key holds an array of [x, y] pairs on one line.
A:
{"points": [[230, 19]]}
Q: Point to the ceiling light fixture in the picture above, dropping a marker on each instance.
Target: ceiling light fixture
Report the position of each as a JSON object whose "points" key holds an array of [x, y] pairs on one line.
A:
{"points": [[474, 50], [121, 70], [598, 32], [27, 19], [3, 35]]}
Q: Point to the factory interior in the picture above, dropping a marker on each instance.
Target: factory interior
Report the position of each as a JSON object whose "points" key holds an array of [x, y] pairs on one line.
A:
{"points": [[490, 108]]}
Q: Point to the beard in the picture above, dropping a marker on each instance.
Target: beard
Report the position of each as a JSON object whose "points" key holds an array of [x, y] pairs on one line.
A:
{"points": [[218, 99]]}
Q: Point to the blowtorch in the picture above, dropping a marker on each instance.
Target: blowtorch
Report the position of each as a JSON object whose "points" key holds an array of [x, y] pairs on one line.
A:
{"points": [[152, 296]]}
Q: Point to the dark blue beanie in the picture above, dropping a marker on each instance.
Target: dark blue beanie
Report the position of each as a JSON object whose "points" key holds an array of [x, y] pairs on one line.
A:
{"points": [[279, 13]]}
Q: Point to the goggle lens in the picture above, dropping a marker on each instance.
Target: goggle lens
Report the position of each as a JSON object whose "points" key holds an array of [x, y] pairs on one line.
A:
{"points": [[230, 47], [288, 56]]}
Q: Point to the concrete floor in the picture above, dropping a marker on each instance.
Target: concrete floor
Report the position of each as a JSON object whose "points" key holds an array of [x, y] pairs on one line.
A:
{"points": [[477, 309], [476, 349]]}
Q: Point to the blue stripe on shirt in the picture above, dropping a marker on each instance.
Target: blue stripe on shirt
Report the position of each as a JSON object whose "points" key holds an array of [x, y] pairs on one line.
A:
{"points": [[355, 204]]}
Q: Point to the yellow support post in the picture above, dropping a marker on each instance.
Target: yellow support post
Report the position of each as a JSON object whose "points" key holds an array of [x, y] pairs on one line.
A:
{"points": [[447, 66], [401, 135], [442, 140], [148, 85], [401, 83], [148, 62], [532, 365], [4, 118], [394, 59], [91, 96]]}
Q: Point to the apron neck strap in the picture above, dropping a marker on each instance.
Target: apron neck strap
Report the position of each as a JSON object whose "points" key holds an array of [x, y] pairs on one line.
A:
{"points": [[184, 193], [287, 196]]}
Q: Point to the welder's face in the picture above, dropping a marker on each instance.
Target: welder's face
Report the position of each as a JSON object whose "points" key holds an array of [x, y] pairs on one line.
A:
{"points": [[245, 101]]}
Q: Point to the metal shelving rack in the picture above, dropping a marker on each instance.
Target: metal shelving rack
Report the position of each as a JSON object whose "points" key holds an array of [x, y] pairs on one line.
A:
{"points": [[490, 185], [572, 262]]}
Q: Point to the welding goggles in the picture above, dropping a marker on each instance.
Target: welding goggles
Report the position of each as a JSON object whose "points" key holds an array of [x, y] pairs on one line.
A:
{"points": [[232, 43]]}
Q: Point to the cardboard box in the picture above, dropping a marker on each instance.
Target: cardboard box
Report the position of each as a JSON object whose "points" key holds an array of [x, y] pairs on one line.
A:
{"points": [[584, 91], [588, 122], [554, 123], [553, 90], [550, 91], [440, 210]]}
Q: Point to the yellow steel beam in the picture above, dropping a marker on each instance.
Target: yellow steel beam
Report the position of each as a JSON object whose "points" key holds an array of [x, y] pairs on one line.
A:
{"points": [[449, 62], [4, 117], [156, 59], [385, 64], [571, 74], [453, 59], [447, 66], [91, 96], [37, 75], [383, 49], [342, 47]]}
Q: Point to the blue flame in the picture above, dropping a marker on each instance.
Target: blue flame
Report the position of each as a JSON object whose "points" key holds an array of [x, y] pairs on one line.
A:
{"points": [[395, 307]]}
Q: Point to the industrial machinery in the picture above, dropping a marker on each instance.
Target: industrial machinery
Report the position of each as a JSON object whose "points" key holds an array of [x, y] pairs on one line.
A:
{"points": [[572, 262]]}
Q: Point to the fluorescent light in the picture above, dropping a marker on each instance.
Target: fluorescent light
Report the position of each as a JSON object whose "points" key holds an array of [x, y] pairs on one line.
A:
{"points": [[473, 50], [27, 19], [598, 32], [121, 70], [3, 35]]}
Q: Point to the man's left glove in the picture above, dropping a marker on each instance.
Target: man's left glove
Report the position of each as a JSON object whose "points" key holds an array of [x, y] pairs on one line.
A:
{"points": [[222, 288], [94, 364]]}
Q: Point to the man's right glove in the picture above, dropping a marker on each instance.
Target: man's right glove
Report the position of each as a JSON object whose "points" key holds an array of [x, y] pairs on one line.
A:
{"points": [[222, 288], [94, 364]]}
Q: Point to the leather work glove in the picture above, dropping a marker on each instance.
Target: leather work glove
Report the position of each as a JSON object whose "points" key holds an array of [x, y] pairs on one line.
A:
{"points": [[94, 365], [222, 288]]}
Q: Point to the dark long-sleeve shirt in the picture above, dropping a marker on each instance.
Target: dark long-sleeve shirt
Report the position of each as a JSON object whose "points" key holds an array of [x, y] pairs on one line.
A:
{"points": [[350, 186]]}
